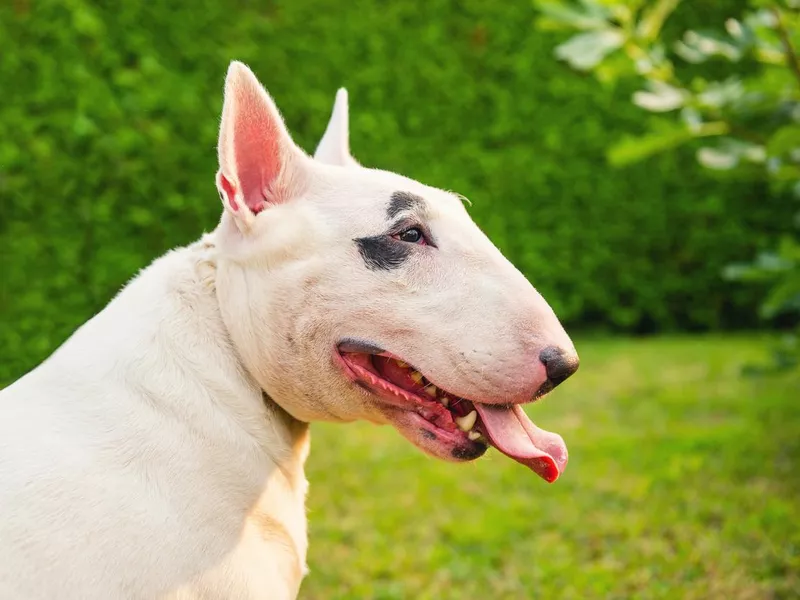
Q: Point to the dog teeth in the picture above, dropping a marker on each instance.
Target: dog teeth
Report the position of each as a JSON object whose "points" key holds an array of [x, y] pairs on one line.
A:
{"points": [[416, 376], [445, 401], [431, 391], [466, 422], [473, 435], [401, 364]]}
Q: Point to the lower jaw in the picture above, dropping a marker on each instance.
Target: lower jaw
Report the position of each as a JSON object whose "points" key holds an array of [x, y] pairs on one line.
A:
{"points": [[438, 442], [447, 443]]}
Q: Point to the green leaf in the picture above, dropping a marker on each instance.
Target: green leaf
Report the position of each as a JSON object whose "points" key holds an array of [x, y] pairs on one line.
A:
{"points": [[653, 62], [738, 272], [782, 298], [721, 93], [558, 15], [784, 141], [729, 154], [691, 117], [740, 32], [586, 50], [613, 68], [768, 266], [635, 149], [653, 20], [688, 53], [669, 135], [660, 97], [696, 47], [717, 159], [783, 174]]}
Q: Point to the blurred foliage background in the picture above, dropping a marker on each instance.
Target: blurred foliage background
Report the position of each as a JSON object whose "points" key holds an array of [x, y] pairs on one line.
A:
{"points": [[638, 161], [108, 129], [735, 88]]}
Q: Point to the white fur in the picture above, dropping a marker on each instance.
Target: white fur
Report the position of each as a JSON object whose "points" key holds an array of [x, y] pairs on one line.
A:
{"points": [[140, 461], [159, 452], [334, 147]]}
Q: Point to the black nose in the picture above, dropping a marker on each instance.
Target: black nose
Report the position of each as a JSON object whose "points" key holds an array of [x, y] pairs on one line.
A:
{"points": [[558, 363]]}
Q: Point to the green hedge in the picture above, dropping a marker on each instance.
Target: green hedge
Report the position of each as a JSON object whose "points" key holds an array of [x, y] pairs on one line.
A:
{"points": [[108, 125]]}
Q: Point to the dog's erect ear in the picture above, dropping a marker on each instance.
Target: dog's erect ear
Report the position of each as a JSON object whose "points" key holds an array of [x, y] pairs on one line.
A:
{"points": [[259, 164], [334, 148]]}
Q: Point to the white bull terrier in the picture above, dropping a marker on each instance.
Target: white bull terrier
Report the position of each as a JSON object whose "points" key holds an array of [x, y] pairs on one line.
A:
{"points": [[159, 452]]}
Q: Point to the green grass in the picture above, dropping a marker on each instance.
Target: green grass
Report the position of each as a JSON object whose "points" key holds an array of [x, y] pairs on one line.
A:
{"points": [[683, 483]]}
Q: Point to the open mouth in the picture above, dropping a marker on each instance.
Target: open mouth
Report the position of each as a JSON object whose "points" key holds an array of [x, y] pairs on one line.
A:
{"points": [[466, 428]]}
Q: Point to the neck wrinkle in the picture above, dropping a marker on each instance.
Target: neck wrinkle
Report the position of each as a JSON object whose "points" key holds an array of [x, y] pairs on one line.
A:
{"points": [[298, 431]]}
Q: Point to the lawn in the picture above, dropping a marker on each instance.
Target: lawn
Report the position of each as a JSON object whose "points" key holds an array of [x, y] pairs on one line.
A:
{"points": [[682, 483]]}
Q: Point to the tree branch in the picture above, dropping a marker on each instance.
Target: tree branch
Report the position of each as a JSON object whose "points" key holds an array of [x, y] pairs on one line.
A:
{"points": [[791, 55]]}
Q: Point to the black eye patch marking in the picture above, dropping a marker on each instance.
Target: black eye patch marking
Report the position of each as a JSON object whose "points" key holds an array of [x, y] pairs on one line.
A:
{"points": [[383, 253], [403, 201]]}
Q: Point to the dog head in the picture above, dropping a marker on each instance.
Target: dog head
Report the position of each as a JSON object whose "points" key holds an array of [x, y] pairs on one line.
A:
{"points": [[354, 293]]}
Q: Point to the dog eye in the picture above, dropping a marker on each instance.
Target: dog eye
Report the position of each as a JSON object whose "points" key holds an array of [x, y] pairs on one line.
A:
{"points": [[411, 236]]}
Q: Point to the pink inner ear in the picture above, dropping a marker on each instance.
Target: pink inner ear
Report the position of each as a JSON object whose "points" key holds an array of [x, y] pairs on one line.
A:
{"points": [[230, 191], [256, 141]]}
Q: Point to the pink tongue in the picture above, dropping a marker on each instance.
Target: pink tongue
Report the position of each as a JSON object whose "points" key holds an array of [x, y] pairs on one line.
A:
{"points": [[514, 434]]}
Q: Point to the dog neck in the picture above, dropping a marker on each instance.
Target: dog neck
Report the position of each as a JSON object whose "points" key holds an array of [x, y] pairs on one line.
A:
{"points": [[164, 337], [155, 384], [199, 290]]}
